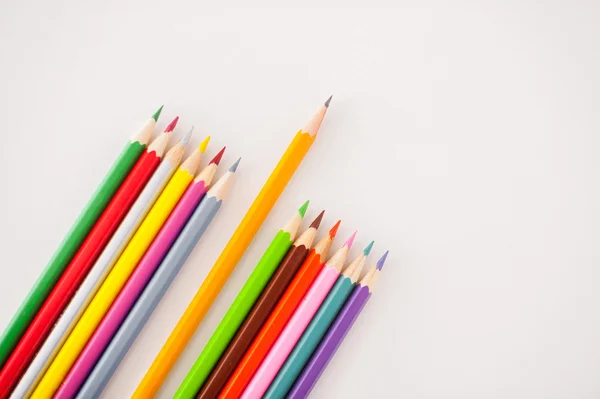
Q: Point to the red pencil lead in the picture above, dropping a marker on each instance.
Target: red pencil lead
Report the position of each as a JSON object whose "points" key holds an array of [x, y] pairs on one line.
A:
{"points": [[172, 125], [218, 157]]}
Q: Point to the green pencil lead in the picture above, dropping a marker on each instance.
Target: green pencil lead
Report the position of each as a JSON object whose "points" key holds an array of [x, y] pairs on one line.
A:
{"points": [[157, 114], [367, 250], [303, 208]]}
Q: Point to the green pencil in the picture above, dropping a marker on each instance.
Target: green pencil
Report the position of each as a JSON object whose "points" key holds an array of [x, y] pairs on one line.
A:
{"points": [[79, 231], [240, 307], [317, 328]]}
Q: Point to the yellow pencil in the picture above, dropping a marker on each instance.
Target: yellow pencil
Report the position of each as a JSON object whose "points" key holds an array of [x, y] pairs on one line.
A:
{"points": [[243, 235], [118, 276]]}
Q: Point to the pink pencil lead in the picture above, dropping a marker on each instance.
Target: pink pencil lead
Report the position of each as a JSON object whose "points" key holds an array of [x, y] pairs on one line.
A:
{"points": [[350, 240]]}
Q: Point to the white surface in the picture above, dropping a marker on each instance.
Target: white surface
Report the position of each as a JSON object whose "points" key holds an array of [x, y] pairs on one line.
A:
{"points": [[463, 138]]}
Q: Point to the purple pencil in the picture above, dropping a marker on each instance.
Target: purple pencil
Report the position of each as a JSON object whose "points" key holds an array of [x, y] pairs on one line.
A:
{"points": [[336, 333], [137, 282]]}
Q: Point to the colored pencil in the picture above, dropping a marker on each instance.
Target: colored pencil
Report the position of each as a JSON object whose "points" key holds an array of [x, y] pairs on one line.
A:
{"points": [[315, 331], [336, 333], [240, 307], [83, 260], [117, 277], [102, 265], [260, 312], [280, 315], [235, 248], [157, 287], [138, 280], [296, 326], [79, 231]]}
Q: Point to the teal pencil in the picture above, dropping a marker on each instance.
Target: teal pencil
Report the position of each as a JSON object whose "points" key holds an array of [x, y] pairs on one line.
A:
{"points": [[317, 328]]}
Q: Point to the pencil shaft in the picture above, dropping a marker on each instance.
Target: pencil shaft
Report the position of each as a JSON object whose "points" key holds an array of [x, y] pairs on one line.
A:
{"points": [[111, 287], [95, 277], [131, 290], [235, 315], [78, 232], [271, 329], [76, 271], [332, 340], [254, 321], [291, 333], [309, 341], [150, 297], [224, 265]]}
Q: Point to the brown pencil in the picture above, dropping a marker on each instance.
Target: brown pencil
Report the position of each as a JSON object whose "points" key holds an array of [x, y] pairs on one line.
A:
{"points": [[262, 309]]}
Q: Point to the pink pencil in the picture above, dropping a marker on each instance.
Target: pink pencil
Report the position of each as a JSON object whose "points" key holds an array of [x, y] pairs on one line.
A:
{"points": [[297, 324], [137, 282]]}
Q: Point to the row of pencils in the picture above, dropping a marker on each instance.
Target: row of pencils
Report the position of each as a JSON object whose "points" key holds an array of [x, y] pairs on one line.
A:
{"points": [[287, 321], [142, 223], [128, 244]]}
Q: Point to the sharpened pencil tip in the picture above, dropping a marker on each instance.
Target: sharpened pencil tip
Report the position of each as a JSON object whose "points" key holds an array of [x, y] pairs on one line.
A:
{"points": [[350, 240], [381, 261], [186, 139], [303, 208], [317, 222], [334, 229], [328, 101], [172, 125], [157, 114], [368, 249], [204, 144], [234, 167], [218, 157]]}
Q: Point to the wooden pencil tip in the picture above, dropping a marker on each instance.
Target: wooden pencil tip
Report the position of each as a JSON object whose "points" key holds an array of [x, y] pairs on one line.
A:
{"points": [[334, 229], [317, 222], [218, 157], [172, 125], [157, 114], [328, 101], [381, 261]]}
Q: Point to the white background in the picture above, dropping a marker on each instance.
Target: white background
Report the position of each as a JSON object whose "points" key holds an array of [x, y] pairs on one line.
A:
{"points": [[463, 137]]}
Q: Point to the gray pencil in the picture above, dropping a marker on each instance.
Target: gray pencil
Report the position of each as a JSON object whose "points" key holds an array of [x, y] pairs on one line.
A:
{"points": [[156, 288]]}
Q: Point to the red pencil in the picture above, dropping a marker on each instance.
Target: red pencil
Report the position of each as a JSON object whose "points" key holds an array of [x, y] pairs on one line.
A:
{"points": [[83, 260]]}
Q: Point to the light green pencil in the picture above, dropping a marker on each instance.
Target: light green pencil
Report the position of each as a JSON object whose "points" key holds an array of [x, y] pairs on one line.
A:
{"points": [[240, 307]]}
